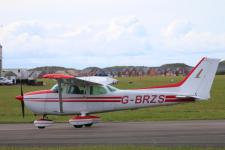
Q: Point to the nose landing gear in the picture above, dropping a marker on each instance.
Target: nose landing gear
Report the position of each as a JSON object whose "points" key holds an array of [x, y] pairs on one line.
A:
{"points": [[43, 122]]}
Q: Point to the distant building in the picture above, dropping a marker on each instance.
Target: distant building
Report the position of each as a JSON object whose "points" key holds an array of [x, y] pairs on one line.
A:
{"points": [[152, 72], [1, 60], [140, 72], [23, 74], [93, 71]]}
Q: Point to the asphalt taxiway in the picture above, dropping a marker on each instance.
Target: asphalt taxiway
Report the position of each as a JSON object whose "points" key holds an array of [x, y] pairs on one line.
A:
{"points": [[160, 133]]}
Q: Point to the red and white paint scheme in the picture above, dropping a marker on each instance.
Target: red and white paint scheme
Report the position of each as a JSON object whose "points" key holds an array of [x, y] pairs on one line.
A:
{"points": [[83, 96]]}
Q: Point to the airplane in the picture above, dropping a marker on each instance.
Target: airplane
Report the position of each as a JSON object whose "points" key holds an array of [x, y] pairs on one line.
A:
{"points": [[84, 96]]}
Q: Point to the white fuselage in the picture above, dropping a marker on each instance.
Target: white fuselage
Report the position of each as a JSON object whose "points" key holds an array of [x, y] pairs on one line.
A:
{"points": [[47, 102]]}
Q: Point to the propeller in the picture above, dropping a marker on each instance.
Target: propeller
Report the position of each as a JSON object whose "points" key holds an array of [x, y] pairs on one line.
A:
{"points": [[20, 97], [21, 93]]}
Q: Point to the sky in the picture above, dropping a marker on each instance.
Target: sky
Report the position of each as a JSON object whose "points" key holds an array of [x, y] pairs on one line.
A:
{"points": [[103, 33]]}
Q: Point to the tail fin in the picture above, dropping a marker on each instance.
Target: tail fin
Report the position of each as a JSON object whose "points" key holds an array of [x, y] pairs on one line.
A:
{"points": [[199, 81]]}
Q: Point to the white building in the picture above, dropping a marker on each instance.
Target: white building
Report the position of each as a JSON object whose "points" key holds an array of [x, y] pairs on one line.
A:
{"points": [[23, 74]]}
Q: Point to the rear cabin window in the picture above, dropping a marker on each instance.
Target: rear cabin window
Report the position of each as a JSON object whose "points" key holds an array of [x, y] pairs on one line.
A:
{"points": [[97, 90], [111, 89]]}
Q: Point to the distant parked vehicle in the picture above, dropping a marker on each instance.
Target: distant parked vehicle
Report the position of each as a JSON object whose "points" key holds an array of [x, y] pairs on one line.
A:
{"points": [[5, 81]]}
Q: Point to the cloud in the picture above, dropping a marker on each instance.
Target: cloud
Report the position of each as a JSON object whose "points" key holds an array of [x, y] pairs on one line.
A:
{"points": [[177, 28], [182, 37], [121, 41], [125, 26], [33, 40]]}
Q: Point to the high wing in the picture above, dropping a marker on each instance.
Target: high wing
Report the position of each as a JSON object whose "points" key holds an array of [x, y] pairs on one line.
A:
{"points": [[99, 80], [68, 79]]}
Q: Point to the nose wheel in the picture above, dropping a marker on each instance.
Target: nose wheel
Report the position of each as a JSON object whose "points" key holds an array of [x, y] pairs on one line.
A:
{"points": [[43, 122]]}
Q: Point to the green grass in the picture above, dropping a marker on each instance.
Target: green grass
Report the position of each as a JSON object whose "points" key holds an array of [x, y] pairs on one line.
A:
{"points": [[108, 148], [212, 109]]}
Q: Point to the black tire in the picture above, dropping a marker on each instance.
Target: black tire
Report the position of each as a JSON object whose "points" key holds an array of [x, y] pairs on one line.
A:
{"points": [[88, 125], [41, 127], [78, 126]]}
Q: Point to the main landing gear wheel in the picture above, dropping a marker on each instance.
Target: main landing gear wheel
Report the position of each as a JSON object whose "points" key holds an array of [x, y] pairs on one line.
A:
{"points": [[41, 127], [80, 121], [88, 125], [78, 126]]}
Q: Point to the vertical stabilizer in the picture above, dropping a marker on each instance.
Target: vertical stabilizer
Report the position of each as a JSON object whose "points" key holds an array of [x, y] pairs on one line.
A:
{"points": [[199, 81]]}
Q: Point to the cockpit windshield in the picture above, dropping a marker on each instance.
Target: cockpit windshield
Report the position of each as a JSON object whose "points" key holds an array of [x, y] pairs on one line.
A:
{"points": [[55, 88]]}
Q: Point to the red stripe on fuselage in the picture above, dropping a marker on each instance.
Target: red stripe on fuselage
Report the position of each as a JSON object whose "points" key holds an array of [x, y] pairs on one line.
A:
{"points": [[106, 97], [73, 100], [170, 96], [180, 100]]}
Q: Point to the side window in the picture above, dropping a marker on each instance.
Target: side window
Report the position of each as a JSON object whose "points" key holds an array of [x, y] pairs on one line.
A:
{"points": [[69, 89], [73, 89], [111, 89], [97, 90]]}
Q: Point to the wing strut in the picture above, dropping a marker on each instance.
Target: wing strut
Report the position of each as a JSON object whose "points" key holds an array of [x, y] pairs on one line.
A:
{"points": [[60, 95]]}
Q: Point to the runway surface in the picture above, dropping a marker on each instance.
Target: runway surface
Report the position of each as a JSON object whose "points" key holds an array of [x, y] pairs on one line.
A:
{"points": [[163, 133]]}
